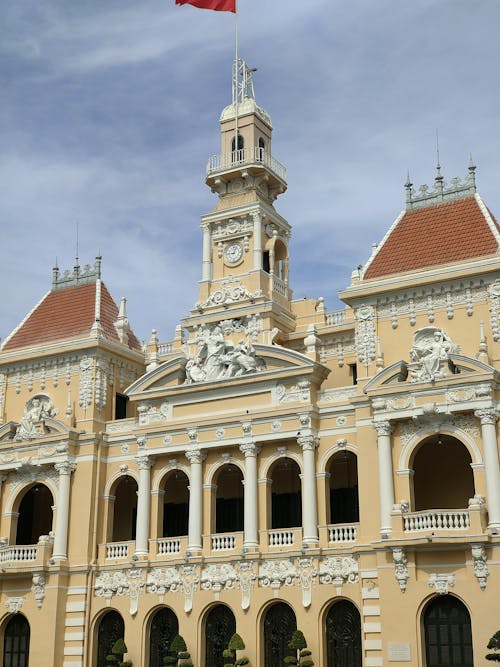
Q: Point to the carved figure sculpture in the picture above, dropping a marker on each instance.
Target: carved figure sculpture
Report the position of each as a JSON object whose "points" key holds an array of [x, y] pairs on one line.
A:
{"points": [[431, 346], [36, 410]]}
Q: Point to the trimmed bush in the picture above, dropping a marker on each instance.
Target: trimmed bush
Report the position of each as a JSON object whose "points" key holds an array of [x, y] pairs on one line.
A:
{"points": [[236, 643]]}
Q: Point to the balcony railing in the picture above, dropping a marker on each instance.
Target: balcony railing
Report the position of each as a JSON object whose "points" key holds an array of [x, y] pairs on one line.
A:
{"points": [[117, 550], [223, 542], [281, 538], [245, 157], [436, 520], [342, 533], [19, 553], [168, 545]]}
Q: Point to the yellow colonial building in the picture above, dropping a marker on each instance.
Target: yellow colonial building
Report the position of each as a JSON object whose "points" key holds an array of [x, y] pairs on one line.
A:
{"points": [[276, 465]]}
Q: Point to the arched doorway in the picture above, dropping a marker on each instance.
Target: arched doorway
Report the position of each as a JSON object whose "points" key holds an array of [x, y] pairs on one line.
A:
{"points": [[16, 642], [432, 489], [229, 500], [125, 510], [220, 626], [111, 628], [35, 515], [343, 635], [448, 633], [176, 505], [279, 625], [344, 504], [164, 627], [286, 495]]}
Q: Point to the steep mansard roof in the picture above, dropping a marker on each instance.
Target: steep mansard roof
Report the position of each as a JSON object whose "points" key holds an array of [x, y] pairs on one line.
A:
{"points": [[68, 313], [443, 233]]}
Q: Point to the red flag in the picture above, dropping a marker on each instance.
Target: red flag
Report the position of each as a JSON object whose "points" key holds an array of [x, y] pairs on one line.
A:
{"points": [[218, 5]]}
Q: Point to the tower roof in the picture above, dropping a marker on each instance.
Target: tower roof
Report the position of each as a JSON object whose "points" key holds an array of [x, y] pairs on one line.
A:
{"points": [[438, 227], [72, 310]]}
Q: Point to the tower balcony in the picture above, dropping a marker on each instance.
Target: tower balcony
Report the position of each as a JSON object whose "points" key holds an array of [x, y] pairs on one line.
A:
{"points": [[248, 159]]}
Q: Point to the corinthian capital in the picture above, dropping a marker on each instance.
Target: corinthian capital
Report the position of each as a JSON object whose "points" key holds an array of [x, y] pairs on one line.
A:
{"points": [[249, 449], [487, 415], [65, 467], [195, 456], [144, 462], [308, 442], [383, 428]]}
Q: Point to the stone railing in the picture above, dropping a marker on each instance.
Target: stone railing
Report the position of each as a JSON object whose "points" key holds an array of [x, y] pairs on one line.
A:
{"points": [[436, 520], [117, 550], [336, 318], [19, 553], [165, 348], [280, 287], [252, 155], [168, 545], [342, 533], [281, 538], [223, 542]]}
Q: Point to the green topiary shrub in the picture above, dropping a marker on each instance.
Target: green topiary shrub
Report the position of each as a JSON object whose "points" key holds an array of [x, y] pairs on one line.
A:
{"points": [[236, 643], [242, 661], [180, 656], [299, 644], [228, 653], [494, 644]]}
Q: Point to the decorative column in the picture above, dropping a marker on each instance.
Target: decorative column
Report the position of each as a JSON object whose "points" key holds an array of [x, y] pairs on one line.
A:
{"points": [[60, 551], [257, 240], [207, 248], [308, 444], [144, 464], [488, 418], [250, 503], [195, 458], [386, 481]]}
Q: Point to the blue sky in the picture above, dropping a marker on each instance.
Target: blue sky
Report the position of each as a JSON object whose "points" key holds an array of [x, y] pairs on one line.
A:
{"points": [[109, 111]]}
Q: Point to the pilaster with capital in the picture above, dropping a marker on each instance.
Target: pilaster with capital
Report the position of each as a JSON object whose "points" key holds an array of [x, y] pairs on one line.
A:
{"points": [[207, 250], [64, 468], [195, 457], [257, 240], [251, 538], [385, 474], [488, 418], [308, 444], [144, 463]]}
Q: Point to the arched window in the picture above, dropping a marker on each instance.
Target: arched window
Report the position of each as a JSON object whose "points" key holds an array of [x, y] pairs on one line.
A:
{"points": [[111, 628], [241, 146], [35, 515], [448, 634], [279, 625], [176, 505], [286, 497], [16, 642], [432, 489], [344, 505], [262, 147], [125, 510], [220, 626], [343, 635], [229, 500], [164, 627]]}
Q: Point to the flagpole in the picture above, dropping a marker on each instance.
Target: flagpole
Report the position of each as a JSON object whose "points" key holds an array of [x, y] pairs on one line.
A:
{"points": [[237, 82]]}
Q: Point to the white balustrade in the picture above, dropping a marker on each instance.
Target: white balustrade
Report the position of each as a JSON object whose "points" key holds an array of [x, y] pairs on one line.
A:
{"points": [[18, 553], [280, 287], [165, 348], [342, 533], [223, 542], [168, 546], [246, 156], [117, 550], [281, 538], [336, 318], [436, 520]]}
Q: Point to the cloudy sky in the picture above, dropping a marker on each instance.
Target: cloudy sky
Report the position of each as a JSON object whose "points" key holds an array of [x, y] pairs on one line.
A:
{"points": [[109, 110]]}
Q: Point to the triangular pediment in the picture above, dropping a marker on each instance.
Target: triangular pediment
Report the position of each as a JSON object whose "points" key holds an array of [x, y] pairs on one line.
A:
{"points": [[456, 367], [273, 362]]}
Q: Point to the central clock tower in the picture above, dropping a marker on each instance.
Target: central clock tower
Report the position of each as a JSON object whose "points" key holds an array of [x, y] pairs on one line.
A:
{"points": [[245, 240]]}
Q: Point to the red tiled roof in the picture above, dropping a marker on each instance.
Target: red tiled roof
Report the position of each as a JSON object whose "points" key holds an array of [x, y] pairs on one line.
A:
{"points": [[449, 232], [68, 313]]}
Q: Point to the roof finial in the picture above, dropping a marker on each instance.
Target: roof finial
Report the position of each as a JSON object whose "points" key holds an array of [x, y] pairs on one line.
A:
{"points": [[408, 186], [439, 180], [77, 260], [472, 172]]}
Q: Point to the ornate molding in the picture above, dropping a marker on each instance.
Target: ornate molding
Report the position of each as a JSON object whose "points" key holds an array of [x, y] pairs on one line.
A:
{"points": [[14, 604], [246, 582], [129, 583], [480, 564], [277, 573], [429, 354], [249, 449], [384, 428], [400, 565], [306, 573], [338, 570], [297, 393], [441, 582], [227, 295], [38, 588], [36, 411], [365, 334], [195, 456], [308, 442], [487, 416], [217, 577], [65, 467], [152, 414]]}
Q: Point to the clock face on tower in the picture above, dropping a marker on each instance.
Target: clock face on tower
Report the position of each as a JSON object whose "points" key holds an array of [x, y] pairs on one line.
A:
{"points": [[233, 253]]}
